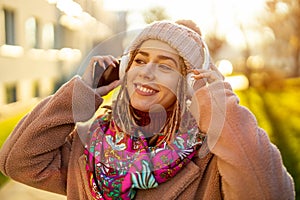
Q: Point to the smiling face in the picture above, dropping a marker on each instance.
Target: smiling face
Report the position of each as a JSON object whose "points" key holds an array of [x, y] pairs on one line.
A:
{"points": [[153, 76]]}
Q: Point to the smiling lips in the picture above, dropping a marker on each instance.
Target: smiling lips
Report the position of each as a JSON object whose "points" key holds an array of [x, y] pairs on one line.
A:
{"points": [[145, 90]]}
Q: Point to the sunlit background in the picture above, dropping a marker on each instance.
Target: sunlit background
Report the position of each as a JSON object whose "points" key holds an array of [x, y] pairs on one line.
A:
{"points": [[254, 43]]}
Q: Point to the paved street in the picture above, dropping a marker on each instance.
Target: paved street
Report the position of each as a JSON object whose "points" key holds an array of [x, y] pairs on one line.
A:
{"points": [[17, 191]]}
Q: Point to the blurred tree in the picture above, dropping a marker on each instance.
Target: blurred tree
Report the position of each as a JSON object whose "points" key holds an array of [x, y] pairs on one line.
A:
{"points": [[283, 18], [155, 14], [215, 43]]}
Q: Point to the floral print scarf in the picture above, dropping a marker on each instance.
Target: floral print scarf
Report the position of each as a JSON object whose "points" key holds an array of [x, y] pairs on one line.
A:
{"points": [[118, 163]]}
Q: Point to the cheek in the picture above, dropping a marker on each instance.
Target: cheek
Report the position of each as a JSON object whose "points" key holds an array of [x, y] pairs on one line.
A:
{"points": [[129, 79], [130, 74], [171, 83], [168, 99], [169, 96]]}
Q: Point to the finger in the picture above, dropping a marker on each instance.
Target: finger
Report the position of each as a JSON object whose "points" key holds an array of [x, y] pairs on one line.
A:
{"points": [[92, 61], [197, 71], [101, 60], [106, 61], [95, 59], [91, 71], [203, 75], [209, 76], [199, 84], [215, 68], [104, 90], [114, 60], [94, 71]]}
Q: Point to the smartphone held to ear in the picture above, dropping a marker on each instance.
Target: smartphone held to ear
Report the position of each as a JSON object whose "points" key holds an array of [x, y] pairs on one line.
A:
{"points": [[106, 76]]}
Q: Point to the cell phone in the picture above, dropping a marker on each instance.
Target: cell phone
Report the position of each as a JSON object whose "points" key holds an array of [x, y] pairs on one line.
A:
{"points": [[106, 76]]}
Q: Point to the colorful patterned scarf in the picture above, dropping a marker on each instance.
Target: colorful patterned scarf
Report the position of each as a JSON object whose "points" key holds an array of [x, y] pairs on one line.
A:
{"points": [[118, 163]]}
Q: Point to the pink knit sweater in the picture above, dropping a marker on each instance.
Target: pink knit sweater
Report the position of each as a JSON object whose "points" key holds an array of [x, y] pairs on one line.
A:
{"points": [[45, 150]]}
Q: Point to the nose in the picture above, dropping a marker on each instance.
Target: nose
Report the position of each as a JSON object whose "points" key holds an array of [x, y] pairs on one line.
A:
{"points": [[147, 71]]}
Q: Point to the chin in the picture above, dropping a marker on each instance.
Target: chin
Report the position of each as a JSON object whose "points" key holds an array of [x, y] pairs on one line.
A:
{"points": [[140, 107]]}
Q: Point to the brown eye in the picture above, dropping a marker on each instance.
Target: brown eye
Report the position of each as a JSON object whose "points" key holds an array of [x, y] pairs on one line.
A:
{"points": [[139, 61]]}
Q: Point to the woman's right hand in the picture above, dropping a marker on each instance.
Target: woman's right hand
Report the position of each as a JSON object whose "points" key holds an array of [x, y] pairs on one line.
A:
{"points": [[88, 75]]}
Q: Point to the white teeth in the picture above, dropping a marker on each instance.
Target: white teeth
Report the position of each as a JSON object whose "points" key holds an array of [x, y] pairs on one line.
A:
{"points": [[143, 89]]}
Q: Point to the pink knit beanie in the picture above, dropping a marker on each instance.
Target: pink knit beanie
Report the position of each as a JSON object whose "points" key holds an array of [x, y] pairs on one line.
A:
{"points": [[189, 44]]}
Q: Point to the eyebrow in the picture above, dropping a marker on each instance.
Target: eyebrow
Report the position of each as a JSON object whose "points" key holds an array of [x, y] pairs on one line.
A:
{"points": [[159, 56]]}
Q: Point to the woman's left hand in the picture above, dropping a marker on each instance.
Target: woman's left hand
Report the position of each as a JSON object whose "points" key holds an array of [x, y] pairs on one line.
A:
{"points": [[210, 75]]}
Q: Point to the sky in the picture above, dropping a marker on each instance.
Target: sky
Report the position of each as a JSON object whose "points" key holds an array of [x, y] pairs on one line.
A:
{"points": [[222, 16]]}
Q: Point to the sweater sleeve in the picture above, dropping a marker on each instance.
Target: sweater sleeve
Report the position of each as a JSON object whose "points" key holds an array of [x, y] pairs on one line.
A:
{"points": [[37, 151], [249, 164]]}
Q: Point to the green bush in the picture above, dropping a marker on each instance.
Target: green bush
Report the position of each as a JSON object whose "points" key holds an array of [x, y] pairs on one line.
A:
{"points": [[278, 112]]}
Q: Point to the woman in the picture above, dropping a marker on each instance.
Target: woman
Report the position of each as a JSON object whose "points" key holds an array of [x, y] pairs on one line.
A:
{"points": [[175, 131]]}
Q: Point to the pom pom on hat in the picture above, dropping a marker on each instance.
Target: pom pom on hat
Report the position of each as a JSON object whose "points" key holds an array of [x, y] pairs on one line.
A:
{"points": [[190, 24]]}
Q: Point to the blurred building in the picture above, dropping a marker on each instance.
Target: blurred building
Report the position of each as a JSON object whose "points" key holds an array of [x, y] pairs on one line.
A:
{"points": [[42, 42]]}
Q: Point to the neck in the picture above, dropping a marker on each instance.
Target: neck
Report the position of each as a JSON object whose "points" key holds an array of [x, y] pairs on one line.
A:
{"points": [[150, 122]]}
